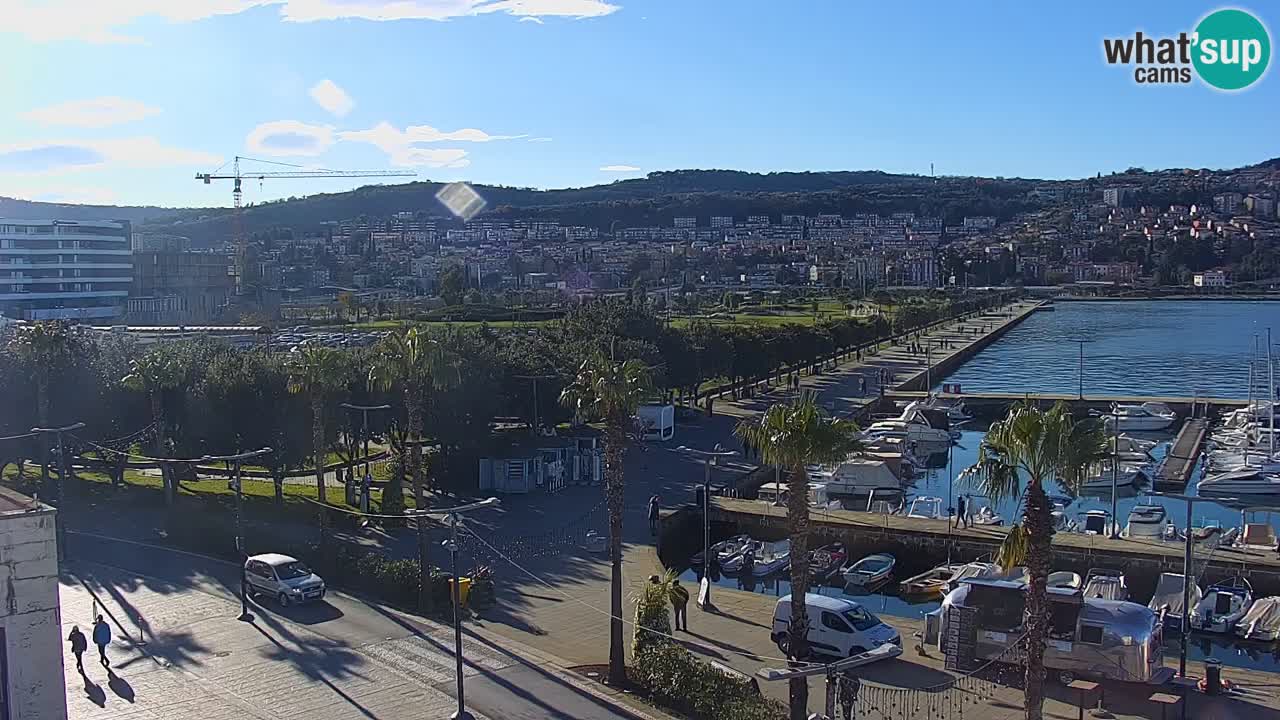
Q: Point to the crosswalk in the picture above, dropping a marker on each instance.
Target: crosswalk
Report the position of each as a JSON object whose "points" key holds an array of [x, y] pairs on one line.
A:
{"points": [[428, 659]]}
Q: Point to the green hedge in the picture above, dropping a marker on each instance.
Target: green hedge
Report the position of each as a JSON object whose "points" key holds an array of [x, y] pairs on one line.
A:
{"points": [[678, 681]]}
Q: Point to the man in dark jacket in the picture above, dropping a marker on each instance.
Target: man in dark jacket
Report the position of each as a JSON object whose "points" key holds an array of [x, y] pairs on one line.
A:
{"points": [[654, 503], [78, 645], [102, 638], [680, 602]]}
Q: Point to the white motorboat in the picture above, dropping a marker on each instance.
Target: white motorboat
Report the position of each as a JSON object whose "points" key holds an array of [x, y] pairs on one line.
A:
{"points": [[774, 558], [745, 556], [1223, 605], [975, 571], [953, 407], [987, 516], [870, 571], [1095, 522], [1065, 579], [1257, 536], [725, 549], [1209, 535], [927, 507], [1147, 522], [1106, 583], [1132, 450], [1126, 475], [855, 477], [1145, 417], [1262, 622], [915, 432], [1167, 600], [1240, 482]]}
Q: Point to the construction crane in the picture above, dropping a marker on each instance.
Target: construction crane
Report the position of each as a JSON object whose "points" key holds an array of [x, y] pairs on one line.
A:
{"points": [[237, 196]]}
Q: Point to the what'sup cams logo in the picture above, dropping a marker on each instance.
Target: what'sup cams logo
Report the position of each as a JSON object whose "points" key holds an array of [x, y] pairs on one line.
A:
{"points": [[1229, 50]]}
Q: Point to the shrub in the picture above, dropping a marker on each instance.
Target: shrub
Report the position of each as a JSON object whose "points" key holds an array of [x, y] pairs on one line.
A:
{"points": [[651, 615], [681, 682]]}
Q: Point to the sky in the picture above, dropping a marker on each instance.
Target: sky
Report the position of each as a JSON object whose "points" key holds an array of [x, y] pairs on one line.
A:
{"points": [[124, 101]]}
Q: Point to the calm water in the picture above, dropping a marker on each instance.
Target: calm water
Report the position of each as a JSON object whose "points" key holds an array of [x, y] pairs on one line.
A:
{"points": [[1151, 348]]}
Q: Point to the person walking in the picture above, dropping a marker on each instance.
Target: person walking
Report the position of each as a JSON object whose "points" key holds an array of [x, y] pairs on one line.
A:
{"points": [[78, 645], [680, 603], [960, 512], [654, 503], [102, 638], [862, 386]]}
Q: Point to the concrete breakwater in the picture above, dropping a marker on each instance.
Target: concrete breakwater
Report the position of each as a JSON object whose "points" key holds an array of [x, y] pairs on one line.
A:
{"points": [[943, 361], [919, 544]]}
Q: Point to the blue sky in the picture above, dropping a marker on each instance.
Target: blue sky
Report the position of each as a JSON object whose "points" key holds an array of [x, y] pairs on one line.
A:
{"points": [[124, 101]]}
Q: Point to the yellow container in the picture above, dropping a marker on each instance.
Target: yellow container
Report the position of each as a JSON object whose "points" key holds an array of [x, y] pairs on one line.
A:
{"points": [[464, 591]]}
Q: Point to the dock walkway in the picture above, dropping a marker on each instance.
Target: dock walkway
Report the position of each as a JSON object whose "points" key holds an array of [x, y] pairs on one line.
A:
{"points": [[1176, 469]]}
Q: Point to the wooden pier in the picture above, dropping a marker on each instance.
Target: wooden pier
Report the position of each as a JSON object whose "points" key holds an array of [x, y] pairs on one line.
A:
{"points": [[1183, 455]]}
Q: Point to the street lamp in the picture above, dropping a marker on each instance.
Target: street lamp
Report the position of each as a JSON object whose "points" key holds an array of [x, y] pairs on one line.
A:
{"points": [[452, 545], [710, 458], [235, 480], [364, 433], [61, 529], [1190, 500]]}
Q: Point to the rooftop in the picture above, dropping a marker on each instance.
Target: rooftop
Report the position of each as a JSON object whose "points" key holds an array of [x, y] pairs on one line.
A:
{"points": [[15, 503]]}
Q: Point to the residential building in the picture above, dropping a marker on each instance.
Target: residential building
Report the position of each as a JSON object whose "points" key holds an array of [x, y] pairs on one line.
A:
{"points": [[1119, 196], [721, 221], [1209, 279], [687, 223], [172, 288], [1262, 205], [31, 645], [64, 269], [1227, 203]]}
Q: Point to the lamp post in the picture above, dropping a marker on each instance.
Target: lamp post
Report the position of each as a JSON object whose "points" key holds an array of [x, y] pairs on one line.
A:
{"points": [[236, 460], [364, 430], [533, 379], [452, 545], [61, 529], [710, 458], [1190, 500], [1115, 470]]}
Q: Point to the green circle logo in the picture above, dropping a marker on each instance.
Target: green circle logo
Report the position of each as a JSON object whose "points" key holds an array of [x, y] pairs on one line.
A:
{"points": [[1232, 49]]}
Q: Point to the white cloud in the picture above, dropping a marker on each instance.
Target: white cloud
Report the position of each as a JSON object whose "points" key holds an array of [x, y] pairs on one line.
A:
{"points": [[100, 21], [532, 19], [332, 98], [620, 168], [403, 146], [92, 113], [57, 192], [289, 137], [44, 157], [540, 139]]}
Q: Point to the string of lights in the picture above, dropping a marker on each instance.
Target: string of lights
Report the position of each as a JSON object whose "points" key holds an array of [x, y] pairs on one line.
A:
{"points": [[18, 437]]}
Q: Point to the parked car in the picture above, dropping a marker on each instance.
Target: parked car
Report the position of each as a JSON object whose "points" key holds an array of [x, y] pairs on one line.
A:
{"points": [[286, 579], [837, 627]]}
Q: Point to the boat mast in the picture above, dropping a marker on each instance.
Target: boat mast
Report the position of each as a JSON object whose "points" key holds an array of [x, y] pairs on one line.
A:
{"points": [[1248, 415], [1270, 405]]}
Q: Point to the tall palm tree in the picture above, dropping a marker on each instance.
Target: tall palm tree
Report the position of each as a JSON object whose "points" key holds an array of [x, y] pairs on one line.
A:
{"points": [[46, 348], [156, 372], [408, 362], [611, 391], [791, 437], [318, 373], [1021, 453]]}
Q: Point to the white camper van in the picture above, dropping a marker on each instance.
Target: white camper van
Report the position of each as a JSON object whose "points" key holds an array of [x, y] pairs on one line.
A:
{"points": [[837, 627]]}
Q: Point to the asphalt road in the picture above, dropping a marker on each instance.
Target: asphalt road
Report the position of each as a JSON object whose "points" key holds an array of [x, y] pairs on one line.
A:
{"points": [[522, 690]]}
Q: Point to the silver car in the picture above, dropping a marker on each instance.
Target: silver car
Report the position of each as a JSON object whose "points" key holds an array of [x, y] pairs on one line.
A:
{"points": [[286, 579]]}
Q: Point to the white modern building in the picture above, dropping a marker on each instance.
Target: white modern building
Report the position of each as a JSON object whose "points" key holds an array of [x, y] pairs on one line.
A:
{"points": [[31, 677], [1209, 279], [64, 269]]}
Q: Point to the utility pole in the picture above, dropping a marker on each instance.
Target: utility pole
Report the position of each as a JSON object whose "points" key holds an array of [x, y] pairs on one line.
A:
{"points": [[452, 545], [710, 458], [236, 461], [534, 381], [364, 430], [61, 529]]}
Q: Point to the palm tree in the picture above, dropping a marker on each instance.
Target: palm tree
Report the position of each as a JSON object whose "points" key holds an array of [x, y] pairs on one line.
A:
{"points": [[318, 373], [791, 437], [408, 362], [611, 391], [156, 372], [1018, 456], [46, 348]]}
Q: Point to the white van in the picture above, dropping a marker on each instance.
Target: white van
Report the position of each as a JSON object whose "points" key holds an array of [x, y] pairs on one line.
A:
{"points": [[659, 421], [837, 627]]}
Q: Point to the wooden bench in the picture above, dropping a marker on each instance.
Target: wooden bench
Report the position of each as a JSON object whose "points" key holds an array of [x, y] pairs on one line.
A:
{"points": [[1165, 701], [1085, 687]]}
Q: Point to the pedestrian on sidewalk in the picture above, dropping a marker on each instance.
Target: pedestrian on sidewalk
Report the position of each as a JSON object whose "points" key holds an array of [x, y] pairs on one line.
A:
{"points": [[960, 512], [654, 503], [102, 638], [78, 645], [680, 602], [862, 386]]}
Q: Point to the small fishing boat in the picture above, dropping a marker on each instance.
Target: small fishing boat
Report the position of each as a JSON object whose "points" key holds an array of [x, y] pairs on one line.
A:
{"points": [[1095, 522], [750, 551], [1145, 417], [1131, 449], [1147, 521], [974, 570], [985, 514], [1106, 583], [1065, 579], [724, 550], [1166, 603], [928, 584], [775, 557], [1262, 622], [826, 561], [1101, 478], [927, 507], [1208, 536], [870, 571], [1224, 604]]}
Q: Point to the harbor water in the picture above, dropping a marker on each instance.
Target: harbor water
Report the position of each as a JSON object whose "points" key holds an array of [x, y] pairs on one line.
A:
{"points": [[1150, 348]]}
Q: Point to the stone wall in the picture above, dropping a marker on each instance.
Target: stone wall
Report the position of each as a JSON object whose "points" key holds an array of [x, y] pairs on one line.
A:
{"points": [[29, 615]]}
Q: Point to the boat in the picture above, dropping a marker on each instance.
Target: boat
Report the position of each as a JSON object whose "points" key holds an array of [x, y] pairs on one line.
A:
{"points": [[986, 513], [1095, 522], [974, 570], [1223, 605], [927, 506], [1065, 579], [953, 407], [1256, 536], [856, 477], [1129, 449], [1208, 536], [826, 561], [1167, 600], [724, 550], [1262, 622], [1102, 479], [1147, 522], [1106, 583], [1240, 482], [1143, 418], [774, 558], [928, 584], [870, 571], [746, 555], [914, 432]]}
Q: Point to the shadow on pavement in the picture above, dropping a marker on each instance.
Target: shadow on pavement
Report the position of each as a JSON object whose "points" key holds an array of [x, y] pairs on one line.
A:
{"points": [[319, 659], [120, 686], [310, 614], [94, 691]]}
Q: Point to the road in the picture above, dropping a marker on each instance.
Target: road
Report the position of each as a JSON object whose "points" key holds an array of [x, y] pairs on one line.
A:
{"points": [[178, 646]]}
